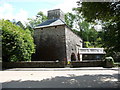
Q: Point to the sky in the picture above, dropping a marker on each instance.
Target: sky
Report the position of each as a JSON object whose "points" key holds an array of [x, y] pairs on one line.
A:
{"points": [[20, 10]]}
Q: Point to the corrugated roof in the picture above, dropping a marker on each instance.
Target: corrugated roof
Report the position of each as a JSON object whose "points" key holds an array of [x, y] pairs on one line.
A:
{"points": [[51, 22]]}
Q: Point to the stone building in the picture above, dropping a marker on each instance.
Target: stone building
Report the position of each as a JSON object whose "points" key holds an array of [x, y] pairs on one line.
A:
{"points": [[55, 40]]}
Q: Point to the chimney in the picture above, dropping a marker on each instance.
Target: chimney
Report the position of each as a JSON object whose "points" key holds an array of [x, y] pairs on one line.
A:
{"points": [[56, 13]]}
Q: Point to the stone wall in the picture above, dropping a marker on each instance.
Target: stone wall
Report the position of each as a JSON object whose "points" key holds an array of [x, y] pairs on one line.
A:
{"points": [[73, 43], [50, 43], [33, 64], [87, 64]]}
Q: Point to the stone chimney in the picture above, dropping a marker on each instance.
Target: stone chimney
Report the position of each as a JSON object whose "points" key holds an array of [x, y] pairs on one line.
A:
{"points": [[56, 13]]}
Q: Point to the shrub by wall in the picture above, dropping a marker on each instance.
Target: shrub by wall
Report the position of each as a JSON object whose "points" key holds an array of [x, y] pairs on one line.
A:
{"points": [[17, 44]]}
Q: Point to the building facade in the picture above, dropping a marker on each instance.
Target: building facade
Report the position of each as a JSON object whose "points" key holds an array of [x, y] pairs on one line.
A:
{"points": [[55, 40]]}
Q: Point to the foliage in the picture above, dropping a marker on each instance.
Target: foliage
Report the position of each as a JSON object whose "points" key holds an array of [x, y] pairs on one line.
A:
{"points": [[88, 33], [73, 20], [17, 44], [111, 39], [33, 22], [100, 10], [69, 19], [84, 29], [40, 17], [108, 13]]}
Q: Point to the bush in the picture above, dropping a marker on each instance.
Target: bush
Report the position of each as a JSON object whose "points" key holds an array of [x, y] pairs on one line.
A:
{"points": [[17, 44], [109, 59], [108, 62]]}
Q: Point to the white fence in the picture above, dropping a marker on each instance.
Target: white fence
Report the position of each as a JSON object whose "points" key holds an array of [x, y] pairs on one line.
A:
{"points": [[92, 51]]}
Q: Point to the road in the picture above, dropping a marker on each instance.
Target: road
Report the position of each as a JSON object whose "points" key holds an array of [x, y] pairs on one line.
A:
{"points": [[92, 77]]}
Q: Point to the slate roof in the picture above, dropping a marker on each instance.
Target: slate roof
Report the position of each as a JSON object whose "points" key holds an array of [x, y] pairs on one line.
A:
{"points": [[51, 22]]}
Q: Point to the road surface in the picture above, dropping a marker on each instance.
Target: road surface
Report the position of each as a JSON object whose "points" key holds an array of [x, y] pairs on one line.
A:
{"points": [[92, 77]]}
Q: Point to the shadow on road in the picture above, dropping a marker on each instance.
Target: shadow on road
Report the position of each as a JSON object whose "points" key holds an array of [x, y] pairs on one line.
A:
{"points": [[72, 81]]}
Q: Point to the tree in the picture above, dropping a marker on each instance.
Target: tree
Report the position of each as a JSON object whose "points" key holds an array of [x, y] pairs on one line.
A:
{"points": [[33, 22], [82, 28], [105, 11], [73, 20], [88, 34], [109, 15], [17, 44], [69, 19], [111, 39]]}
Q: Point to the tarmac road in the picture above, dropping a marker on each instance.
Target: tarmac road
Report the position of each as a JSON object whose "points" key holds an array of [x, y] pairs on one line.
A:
{"points": [[91, 77]]}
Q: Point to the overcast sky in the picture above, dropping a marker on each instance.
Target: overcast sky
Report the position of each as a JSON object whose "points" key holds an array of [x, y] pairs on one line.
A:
{"points": [[23, 9]]}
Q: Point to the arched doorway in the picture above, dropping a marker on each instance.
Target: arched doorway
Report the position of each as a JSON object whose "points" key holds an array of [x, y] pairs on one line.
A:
{"points": [[73, 57]]}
